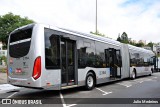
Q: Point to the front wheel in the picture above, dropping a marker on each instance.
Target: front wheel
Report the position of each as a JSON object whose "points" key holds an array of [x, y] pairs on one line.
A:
{"points": [[90, 82]]}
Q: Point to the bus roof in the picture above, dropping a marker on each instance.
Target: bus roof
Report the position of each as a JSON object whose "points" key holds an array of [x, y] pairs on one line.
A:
{"points": [[131, 47], [87, 35], [108, 40]]}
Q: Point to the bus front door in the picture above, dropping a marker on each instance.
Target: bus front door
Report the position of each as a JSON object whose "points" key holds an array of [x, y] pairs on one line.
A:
{"points": [[67, 62]]}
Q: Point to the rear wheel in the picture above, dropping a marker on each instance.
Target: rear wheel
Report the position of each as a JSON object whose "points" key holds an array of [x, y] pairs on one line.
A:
{"points": [[151, 72], [133, 74], [90, 81]]}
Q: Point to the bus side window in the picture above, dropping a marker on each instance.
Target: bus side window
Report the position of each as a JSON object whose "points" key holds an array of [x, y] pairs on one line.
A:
{"points": [[119, 60], [52, 60], [100, 55]]}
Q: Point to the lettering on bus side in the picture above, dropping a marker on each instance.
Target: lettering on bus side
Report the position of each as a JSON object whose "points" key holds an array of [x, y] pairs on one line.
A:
{"points": [[146, 69], [25, 58], [17, 58], [102, 72]]}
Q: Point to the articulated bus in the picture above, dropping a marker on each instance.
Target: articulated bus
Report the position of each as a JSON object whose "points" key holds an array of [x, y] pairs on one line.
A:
{"points": [[157, 64], [49, 57]]}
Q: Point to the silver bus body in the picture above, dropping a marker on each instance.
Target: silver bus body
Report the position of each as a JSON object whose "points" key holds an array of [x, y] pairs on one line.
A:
{"points": [[68, 66]]}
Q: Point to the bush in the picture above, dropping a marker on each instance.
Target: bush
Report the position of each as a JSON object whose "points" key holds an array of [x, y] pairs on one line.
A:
{"points": [[3, 70], [3, 58]]}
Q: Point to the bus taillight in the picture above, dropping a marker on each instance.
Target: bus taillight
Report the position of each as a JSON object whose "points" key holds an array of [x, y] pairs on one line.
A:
{"points": [[37, 68], [7, 70]]}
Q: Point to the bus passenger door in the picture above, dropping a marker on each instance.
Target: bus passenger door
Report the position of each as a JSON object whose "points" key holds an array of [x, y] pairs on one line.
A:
{"points": [[118, 63], [113, 60], [67, 62]]}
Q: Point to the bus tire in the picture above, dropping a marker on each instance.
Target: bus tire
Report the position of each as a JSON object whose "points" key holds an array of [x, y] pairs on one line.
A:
{"points": [[133, 75], [90, 81], [151, 72]]}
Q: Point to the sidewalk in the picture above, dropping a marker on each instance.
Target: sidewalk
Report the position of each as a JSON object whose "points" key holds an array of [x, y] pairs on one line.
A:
{"points": [[3, 78], [4, 87]]}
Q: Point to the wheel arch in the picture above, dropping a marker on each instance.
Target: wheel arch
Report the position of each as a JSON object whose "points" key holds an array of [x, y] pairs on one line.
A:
{"points": [[94, 74], [134, 69]]}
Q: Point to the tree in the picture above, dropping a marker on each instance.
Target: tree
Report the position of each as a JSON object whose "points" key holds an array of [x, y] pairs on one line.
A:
{"points": [[150, 44], [140, 44], [97, 33], [8, 23], [132, 43], [124, 37], [119, 39]]}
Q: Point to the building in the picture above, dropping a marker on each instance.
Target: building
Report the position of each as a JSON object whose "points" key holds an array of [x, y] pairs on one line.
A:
{"points": [[3, 53], [156, 48], [142, 41], [134, 41]]}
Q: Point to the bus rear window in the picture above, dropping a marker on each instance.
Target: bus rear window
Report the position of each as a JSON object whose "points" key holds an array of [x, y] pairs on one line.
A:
{"points": [[21, 48], [21, 35]]}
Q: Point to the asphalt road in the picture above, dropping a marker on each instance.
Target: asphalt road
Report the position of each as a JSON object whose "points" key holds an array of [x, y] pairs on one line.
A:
{"points": [[119, 92]]}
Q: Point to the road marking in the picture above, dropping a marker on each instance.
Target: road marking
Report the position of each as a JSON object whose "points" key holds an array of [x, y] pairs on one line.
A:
{"points": [[71, 105], [12, 94], [105, 93], [63, 102], [144, 80], [9, 96], [124, 85], [150, 80], [7, 87], [139, 80], [154, 77]]}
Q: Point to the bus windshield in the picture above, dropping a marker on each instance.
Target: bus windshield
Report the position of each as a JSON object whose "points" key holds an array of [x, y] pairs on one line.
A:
{"points": [[20, 43]]}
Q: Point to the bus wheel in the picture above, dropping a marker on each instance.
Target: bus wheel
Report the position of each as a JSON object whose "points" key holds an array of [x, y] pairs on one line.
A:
{"points": [[133, 74], [90, 82], [151, 72]]}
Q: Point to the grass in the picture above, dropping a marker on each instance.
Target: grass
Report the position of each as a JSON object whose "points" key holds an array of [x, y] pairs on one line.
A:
{"points": [[3, 70]]}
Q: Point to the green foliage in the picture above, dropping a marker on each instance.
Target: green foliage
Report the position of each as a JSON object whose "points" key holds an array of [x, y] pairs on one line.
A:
{"points": [[123, 38], [3, 70], [97, 33], [150, 44], [132, 43], [158, 55], [8, 23], [3, 58], [119, 39], [139, 44]]}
